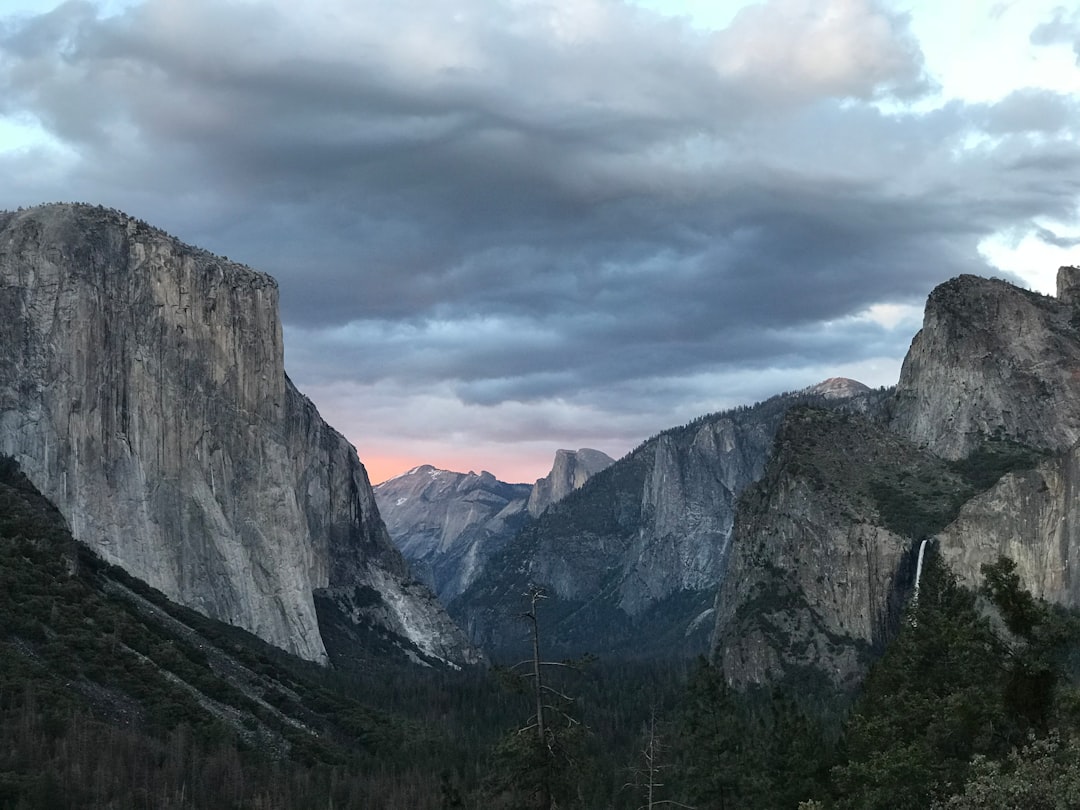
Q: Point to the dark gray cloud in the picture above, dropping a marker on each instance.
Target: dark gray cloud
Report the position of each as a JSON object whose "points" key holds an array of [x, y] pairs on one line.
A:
{"points": [[1030, 110], [1050, 238], [542, 222]]}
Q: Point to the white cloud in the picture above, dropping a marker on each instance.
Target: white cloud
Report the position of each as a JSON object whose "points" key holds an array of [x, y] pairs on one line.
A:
{"points": [[1030, 254], [807, 49]]}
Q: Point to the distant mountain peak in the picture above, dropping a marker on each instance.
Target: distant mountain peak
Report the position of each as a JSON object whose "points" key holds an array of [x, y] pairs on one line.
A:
{"points": [[570, 471], [447, 523], [838, 388]]}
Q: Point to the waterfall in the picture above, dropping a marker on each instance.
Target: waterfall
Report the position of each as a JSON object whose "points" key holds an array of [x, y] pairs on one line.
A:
{"points": [[918, 566], [918, 576]]}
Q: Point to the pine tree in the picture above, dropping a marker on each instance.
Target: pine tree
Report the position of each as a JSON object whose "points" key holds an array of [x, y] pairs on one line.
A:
{"points": [[710, 739], [938, 697]]}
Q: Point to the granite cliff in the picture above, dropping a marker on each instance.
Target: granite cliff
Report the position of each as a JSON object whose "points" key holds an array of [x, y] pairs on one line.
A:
{"points": [[992, 360], [976, 450], [142, 390], [1031, 516], [570, 471], [823, 546]]}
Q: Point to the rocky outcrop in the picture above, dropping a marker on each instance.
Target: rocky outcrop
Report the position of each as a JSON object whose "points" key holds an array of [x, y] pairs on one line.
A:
{"points": [[992, 360], [821, 558], [688, 506], [1068, 285], [142, 390], [447, 524], [981, 454], [1031, 516], [999, 362], [572, 468]]}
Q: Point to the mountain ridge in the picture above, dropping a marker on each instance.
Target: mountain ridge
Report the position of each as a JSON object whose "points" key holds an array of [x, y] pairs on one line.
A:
{"points": [[448, 524]]}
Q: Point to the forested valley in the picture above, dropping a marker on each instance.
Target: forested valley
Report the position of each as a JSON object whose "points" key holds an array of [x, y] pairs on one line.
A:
{"points": [[110, 696]]}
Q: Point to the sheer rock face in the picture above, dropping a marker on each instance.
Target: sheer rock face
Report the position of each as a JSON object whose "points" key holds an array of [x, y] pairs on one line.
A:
{"points": [[814, 578], [688, 507], [1068, 285], [447, 524], [142, 389], [992, 360], [1032, 517], [572, 468], [673, 529]]}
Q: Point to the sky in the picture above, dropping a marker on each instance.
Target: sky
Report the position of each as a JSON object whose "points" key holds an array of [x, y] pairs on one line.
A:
{"points": [[504, 227]]}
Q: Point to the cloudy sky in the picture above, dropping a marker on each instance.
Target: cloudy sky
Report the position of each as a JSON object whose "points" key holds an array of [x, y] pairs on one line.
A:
{"points": [[502, 227]]}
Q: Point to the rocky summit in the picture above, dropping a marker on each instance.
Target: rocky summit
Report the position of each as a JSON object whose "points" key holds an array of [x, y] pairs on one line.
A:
{"points": [[570, 471], [992, 360], [838, 388], [143, 391]]}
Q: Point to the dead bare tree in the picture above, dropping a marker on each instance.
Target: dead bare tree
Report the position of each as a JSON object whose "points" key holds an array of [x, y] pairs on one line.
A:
{"points": [[648, 773], [551, 721]]}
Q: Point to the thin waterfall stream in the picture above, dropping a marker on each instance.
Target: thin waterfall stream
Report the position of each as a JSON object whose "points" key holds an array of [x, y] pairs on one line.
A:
{"points": [[918, 565], [918, 576]]}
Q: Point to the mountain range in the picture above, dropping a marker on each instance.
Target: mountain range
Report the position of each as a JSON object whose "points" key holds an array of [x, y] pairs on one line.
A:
{"points": [[631, 561], [144, 394], [448, 524]]}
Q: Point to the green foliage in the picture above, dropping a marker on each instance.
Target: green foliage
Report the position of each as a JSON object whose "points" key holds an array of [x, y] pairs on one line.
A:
{"points": [[1044, 775], [994, 458], [1018, 608], [366, 596], [111, 695], [956, 690], [87, 651], [918, 506], [525, 773], [920, 502], [1042, 644], [750, 750], [929, 704], [710, 739]]}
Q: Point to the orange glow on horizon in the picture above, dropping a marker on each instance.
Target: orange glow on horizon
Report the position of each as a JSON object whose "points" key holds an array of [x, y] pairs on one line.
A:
{"points": [[519, 471], [380, 468]]}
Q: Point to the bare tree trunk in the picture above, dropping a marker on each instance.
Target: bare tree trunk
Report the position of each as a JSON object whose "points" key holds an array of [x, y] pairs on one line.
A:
{"points": [[538, 690]]}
